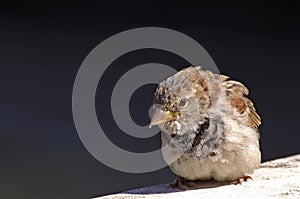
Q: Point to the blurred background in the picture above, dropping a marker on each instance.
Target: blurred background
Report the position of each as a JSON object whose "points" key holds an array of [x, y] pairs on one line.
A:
{"points": [[42, 45]]}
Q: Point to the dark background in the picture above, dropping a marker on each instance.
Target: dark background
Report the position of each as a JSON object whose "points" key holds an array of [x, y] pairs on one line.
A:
{"points": [[42, 45]]}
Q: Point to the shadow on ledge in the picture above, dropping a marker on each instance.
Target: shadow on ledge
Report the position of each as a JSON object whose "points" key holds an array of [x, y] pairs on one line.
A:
{"points": [[164, 188]]}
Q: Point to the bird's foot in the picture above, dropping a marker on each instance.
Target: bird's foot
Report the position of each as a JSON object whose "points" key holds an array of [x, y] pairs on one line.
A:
{"points": [[244, 179], [182, 184], [179, 183]]}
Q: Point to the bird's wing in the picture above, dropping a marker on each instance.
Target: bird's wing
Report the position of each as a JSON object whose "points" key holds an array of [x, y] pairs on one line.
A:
{"points": [[237, 95]]}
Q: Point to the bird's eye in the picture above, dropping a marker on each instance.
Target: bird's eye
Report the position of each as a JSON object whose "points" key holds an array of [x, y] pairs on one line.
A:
{"points": [[182, 102]]}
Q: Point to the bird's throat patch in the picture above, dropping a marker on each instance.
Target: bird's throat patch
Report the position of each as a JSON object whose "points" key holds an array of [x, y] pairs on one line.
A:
{"points": [[200, 133]]}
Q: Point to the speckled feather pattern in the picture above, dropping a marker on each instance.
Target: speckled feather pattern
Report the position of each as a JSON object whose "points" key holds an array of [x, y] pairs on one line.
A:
{"points": [[229, 147]]}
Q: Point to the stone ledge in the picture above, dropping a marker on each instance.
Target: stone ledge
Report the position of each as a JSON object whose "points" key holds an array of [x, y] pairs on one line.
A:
{"points": [[274, 179]]}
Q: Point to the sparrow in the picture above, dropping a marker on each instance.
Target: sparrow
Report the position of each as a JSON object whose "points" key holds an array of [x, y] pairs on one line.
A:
{"points": [[210, 121]]}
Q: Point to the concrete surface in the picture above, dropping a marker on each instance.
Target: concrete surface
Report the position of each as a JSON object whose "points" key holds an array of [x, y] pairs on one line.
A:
{"points": [[274, 179]]}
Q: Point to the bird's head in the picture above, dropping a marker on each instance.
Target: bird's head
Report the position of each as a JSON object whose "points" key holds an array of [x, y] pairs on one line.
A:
{"points": [[181, 102]]}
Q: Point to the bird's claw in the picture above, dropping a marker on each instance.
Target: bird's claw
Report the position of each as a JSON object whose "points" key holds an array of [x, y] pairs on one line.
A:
{"points": [[244, 179], [182, 184]]}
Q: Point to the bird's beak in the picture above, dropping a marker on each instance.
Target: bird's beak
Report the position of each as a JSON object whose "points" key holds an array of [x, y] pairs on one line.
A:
{"points": [[160, 116]]}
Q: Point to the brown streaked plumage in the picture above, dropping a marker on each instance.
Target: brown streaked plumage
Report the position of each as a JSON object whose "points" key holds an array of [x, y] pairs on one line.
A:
{"points": [[237, 94], [211, 120]]}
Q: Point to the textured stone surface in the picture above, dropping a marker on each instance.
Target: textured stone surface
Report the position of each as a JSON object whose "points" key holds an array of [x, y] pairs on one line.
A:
{"points": [[274, 179]]}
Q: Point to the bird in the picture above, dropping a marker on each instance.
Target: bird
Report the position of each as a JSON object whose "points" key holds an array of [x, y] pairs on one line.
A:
{"points": [[208, 118]]}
